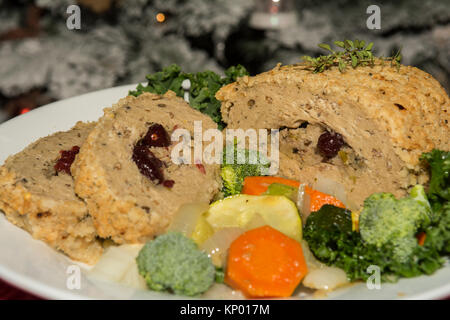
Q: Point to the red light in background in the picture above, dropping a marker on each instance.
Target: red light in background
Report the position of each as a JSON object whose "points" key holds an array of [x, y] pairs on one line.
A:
{"points": [[25, 110]]}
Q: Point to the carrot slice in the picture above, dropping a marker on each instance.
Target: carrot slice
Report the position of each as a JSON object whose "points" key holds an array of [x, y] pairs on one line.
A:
{"points": [[318, 199], [264, 262], [259, 185]]}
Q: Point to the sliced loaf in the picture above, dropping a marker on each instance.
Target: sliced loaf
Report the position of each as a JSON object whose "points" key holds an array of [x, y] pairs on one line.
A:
{"points": [[38, 199]]}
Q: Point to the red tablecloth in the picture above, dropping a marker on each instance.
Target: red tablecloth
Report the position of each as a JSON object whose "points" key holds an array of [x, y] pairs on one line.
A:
{"points": [[8, 292]]}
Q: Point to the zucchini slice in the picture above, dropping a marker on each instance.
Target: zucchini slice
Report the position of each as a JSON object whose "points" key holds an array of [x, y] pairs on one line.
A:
{"points": [[238, 211]]}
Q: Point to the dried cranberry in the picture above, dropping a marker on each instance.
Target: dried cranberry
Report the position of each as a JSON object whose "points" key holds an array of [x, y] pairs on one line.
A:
{"points": [[329, 144], [201, 167], [168, 184], [148, 164], [156, 136], [67, 158]]}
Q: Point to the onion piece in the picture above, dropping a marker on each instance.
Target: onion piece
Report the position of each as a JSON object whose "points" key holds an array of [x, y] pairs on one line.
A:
{"points": [[115, 262], [219, 291], [133, 279], [331, 187], [303, 202], [311, 262], [186, 218], [325, 278], [321, 276], [217, 245]]}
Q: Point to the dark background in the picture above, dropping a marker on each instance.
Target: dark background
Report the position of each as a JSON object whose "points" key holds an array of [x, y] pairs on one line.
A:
{"points": [[120, 41]]}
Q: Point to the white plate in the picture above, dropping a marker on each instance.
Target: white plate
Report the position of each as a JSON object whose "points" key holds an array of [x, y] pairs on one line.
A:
{"points": [[31, 265]]}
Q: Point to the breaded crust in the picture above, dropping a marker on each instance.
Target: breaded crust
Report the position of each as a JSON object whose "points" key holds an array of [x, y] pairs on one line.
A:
{"points": [[44, 203], [127, 206]]}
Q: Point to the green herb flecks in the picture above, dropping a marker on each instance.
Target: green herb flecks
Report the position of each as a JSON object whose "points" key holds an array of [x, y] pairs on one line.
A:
{"points": [[354, 54]]}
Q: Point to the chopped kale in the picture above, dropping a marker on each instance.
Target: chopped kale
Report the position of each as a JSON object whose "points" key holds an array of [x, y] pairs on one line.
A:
{"points": [[204, 86]]}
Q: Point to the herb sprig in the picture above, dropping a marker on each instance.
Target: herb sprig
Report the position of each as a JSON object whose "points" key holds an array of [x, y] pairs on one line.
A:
{"points": [[354, 54]]}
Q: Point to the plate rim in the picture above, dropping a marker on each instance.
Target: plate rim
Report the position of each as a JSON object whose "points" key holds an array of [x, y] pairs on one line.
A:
{"points": [[43, 290]]}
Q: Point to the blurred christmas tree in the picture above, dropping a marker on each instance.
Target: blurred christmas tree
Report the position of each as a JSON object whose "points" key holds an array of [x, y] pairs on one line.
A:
{"points": [[120, 41]]}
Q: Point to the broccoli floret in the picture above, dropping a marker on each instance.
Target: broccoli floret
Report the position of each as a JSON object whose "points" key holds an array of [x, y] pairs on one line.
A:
{"points": [[326, 229], [386, 220], [233, 174], [174, 263], [331, 239]]}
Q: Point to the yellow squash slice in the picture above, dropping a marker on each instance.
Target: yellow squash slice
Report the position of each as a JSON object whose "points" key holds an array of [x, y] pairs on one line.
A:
{"points": [[238, 211]]}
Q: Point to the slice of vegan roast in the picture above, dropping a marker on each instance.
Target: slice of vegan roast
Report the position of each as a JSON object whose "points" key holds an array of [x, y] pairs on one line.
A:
{"points": [[364, 128], [125, 171], [37, 194]]}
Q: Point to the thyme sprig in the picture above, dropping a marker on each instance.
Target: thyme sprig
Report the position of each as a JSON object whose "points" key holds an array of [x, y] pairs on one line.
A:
{"points": [[354, 54]]}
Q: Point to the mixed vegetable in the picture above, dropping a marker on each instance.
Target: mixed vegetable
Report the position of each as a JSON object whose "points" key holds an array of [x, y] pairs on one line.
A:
{"points": [[404, 238], [254, 241]]}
